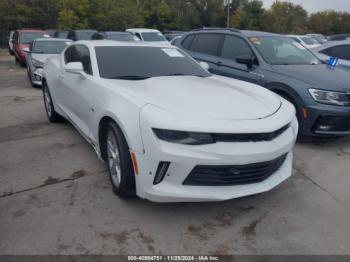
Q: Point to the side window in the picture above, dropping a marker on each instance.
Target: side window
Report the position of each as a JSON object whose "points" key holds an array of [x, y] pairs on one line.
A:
{"points": [[84, 57], [188, 42], [235, 47], [15, 36], [327, 51], [209, 44], [342, 52]]}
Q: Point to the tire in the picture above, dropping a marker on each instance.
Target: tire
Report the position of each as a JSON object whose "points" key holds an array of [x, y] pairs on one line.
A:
{"points": [[52, 115], [119, 162], [30, 78], [23, 64]]}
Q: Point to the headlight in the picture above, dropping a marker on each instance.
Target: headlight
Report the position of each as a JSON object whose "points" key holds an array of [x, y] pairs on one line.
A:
{"points": [[330, 97], [37, 63], [181, 137]]}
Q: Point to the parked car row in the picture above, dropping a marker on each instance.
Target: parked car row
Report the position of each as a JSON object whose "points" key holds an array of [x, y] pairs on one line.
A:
{"points": [[213, 116]]}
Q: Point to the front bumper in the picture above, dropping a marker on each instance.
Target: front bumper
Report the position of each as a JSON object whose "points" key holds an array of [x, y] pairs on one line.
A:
{"points": [[327, 121], [184, 158]]}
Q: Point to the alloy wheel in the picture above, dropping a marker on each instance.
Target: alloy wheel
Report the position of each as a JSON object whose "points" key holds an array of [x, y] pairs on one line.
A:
{"points": [[113, 158]]}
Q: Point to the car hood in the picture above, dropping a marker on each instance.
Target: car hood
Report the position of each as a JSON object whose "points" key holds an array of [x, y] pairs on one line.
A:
{"points": [[210, 98], [317, 76], [42, 57]]}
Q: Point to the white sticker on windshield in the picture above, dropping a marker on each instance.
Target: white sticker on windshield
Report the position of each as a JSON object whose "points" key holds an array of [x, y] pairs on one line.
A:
{"points": [[300, 46], [172, 52]]}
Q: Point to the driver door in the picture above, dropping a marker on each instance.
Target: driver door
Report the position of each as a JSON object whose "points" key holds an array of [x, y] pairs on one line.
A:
{"points": [[75, 88], [234, 47]]}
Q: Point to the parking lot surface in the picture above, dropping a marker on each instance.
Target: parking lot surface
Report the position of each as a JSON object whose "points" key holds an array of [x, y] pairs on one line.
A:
{"points": [[56, 198]]}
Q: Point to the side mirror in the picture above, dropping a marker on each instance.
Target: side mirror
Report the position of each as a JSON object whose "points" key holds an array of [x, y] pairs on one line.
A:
{"points": [[75, 68], [26, 50], [204, 65], [245, 60]]}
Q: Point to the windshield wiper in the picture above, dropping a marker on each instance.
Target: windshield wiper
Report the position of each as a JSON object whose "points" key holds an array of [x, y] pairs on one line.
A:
{"points": [[130, 77]]}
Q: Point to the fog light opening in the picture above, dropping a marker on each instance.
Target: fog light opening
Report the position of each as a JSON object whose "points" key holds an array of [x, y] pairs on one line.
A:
{"points": [[161, 172]]}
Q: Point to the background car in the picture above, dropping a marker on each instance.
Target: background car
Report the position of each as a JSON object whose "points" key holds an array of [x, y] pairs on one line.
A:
{"points": [[339, 37], [337, 49], [61, 34], [22, 39], [10, 43], [149, 35], [77, 35], [114, 35], [51, 32], [306, 41], [320, 94], [37, 53], [170, 35], [168, 130], [321, 39]]}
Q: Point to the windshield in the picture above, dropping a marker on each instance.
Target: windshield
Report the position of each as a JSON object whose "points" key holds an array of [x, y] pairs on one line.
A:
{"points": [[308, 40], [279, 50], [49, 47], [85, 35], [121, 37], [27, 38], [139, 62], [153, 37]]}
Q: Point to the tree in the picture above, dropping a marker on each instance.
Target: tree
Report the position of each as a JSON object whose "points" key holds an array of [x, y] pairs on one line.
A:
{"points": [[285, 17], [73, 14], [252, 15]]}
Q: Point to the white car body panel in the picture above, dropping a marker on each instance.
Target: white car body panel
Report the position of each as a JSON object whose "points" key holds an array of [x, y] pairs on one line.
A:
{"points": [[214, 104]]}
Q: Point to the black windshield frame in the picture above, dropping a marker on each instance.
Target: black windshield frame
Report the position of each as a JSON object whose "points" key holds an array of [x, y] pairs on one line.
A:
{"points": [[142, 62]]}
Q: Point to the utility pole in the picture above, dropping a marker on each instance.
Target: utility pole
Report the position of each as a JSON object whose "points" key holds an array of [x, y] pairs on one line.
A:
{"points": [[228, 12]]}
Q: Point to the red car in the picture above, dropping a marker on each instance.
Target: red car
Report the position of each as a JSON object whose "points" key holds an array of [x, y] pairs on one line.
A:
{"points": [[22, 39]]}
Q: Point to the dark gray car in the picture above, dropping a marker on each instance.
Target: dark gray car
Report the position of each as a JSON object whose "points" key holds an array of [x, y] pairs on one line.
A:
{"points": [[320, 93]]}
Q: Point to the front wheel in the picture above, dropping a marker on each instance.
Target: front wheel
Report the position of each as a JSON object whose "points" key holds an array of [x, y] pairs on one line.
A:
{"points": [[53, 116], [119, 162]]}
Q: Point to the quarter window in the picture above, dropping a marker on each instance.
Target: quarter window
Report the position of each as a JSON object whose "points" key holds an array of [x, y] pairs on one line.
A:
{"points": [[342, 52], [188, 42]]}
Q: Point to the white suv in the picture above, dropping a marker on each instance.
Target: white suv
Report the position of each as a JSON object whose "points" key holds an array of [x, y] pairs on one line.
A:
{"points": [[149, 35]]}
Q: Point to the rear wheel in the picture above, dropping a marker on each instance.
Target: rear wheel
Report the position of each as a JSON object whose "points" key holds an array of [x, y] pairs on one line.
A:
{"points": [[119, 162], [53, 116]]}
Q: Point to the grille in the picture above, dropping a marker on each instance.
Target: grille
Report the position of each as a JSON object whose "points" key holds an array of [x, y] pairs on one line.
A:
{"points": [[249, 137], [233, 175]]}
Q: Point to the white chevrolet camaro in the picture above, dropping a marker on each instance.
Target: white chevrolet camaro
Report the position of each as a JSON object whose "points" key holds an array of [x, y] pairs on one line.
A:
{"points": [[169, 130]]}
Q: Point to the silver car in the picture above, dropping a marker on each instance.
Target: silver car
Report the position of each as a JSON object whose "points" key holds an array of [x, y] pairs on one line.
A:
{"points": [[40, 50], [337, 49]]}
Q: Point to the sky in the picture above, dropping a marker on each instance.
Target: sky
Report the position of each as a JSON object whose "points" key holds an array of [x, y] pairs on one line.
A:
{"points": [[313, 6]]}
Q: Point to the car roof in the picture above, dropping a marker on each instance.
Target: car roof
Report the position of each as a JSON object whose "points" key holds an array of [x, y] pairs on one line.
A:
{"points": [[53, 39], [31, 31], [117, 33], [97, 43], [247, 33], [142, 30], [85, 30], [333, 43]]}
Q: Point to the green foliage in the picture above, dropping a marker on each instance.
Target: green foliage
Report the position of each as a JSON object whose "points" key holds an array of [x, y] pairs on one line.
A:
{"points": [[282, 17]]}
